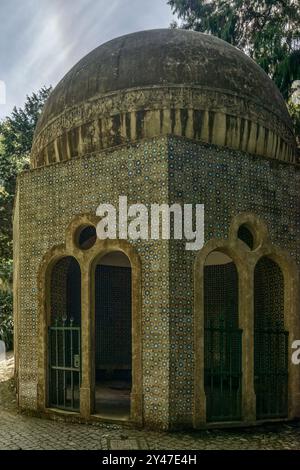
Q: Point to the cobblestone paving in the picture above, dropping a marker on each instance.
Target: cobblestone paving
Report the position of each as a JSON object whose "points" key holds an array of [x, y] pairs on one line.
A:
{"points": [[22, 432]]}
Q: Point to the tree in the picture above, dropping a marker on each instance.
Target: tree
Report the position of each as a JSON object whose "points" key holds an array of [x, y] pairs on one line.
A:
{"points": [[16, 135], [267, 30], [294, 108]]}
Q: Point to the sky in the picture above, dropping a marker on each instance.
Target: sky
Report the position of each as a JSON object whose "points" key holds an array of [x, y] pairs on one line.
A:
{"points": [[40, 40]]}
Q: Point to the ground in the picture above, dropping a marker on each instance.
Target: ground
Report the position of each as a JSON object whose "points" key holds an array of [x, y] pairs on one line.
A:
{"points": [[22, 432]]}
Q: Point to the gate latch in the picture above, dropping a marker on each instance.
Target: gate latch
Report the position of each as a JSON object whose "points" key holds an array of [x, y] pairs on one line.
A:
{"points": [[77, 361]]}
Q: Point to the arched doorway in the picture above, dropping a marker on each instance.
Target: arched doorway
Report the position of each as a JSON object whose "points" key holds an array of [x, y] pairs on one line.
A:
{"points": [[64, 341], [222, 340], [113, 336], [270, 341]]}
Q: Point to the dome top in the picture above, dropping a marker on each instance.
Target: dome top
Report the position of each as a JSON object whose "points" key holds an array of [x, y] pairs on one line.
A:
{"points": [[169, 71]]}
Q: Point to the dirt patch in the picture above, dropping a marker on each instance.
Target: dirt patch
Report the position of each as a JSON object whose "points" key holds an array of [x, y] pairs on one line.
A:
{"points": [[7, 368], [8, 399]]}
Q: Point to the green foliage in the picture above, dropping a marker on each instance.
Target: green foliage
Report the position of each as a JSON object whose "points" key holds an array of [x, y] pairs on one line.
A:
{"points": [[6, 273], [294, 110], [16, 135], [6, 319], [267, 30]]}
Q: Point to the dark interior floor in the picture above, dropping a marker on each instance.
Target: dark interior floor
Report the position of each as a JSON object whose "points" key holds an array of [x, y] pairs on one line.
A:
{"points": [[112, 396]]}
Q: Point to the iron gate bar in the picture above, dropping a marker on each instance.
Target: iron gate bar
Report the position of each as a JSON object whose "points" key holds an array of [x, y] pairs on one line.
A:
{"points": [[223, 346], [57, 374], [64, 369], [271, 372], [64, 364], [72, 382]]}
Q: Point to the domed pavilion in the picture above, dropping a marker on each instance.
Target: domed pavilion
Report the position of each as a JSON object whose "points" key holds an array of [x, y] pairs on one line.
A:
{"points": [[146, 331]]}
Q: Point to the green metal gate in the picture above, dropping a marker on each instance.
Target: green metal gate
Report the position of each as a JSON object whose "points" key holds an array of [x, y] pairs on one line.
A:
{"points": [[223, 370], [271, 372], [270, 341], [64, 366]]}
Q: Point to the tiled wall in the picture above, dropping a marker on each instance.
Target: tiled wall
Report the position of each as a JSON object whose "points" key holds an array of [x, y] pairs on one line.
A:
{"points": [[163, 170]]}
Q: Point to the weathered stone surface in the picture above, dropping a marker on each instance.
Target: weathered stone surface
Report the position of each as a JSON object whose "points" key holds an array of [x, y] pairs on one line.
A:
{"points": [[164, 82], [8, 399], [164, 170], [161, 117], [24, 432]]}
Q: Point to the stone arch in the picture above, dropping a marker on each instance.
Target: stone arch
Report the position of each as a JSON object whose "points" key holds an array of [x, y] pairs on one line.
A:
{"points": [[64, 335], [246, 260], [254, 225], [87, 260], [222, 339], [270, 341], [290, 322], [99, 251], [47, 267], [235, 253], [65, 291]]}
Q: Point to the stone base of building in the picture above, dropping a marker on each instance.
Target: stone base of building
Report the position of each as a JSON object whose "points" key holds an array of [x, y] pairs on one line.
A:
{"points": [[251, 219]]}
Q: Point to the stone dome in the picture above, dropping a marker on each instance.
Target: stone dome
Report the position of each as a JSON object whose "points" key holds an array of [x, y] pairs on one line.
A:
{"points": [[163, 82]]}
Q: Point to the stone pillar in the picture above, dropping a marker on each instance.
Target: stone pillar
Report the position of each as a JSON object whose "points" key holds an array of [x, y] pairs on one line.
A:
{"points": [[86, 390], [156, 342], [181, 337], [246, 323], [291, 322], [199, 391], [16, 285]]}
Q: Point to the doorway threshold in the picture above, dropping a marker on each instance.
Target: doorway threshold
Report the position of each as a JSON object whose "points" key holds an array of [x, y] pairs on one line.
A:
{"points": [[111, 419]]}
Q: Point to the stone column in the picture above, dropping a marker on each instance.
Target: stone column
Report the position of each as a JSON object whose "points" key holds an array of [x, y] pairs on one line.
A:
{"points": [[246, 323], [199, 352], [86, 390]]}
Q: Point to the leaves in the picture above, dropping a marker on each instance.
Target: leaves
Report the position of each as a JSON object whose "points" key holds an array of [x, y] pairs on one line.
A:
{"points": [[267, 30], [16, 135], [6, 319], [294, 110]]}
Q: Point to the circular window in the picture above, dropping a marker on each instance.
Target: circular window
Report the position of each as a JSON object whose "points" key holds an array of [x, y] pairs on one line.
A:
{"points": [[246, 236], [86, 237]]}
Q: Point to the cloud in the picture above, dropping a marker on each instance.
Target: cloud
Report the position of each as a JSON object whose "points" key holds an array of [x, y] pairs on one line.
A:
{"points": [[40, 40]]}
